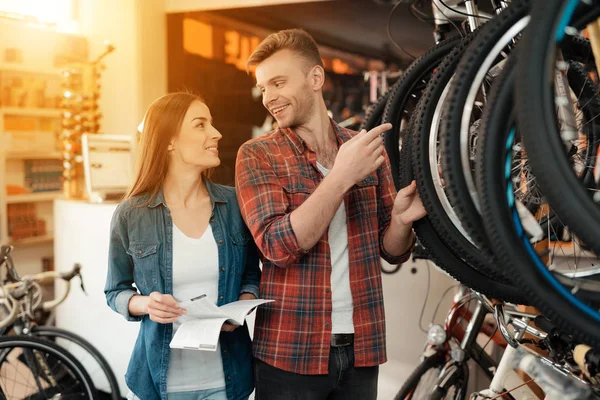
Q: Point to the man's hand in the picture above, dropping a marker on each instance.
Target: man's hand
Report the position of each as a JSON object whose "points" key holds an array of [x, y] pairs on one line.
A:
{"points": [[230, 327], [227, 327], [360, 156], [163, 308], [247, 296], [408, 207]]}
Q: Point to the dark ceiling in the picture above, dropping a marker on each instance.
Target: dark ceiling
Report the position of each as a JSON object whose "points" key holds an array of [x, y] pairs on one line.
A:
{"points": [[357, 26]]}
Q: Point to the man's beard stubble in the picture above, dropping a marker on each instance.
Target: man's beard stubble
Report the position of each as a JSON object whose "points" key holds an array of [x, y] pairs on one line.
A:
{"points": [[306, 108]]}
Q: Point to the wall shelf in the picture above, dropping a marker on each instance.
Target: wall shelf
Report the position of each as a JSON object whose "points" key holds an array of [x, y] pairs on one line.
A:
{"points": [[33, 155], [33, 197], [32, 112], [35, 240], [52, 72]]}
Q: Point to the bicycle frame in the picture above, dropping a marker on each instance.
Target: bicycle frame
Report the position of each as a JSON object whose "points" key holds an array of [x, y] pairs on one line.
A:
{"points": [[446, 11]]}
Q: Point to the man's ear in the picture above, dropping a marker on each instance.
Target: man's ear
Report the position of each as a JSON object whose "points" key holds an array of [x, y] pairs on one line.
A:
{"points": [[317, 77]]}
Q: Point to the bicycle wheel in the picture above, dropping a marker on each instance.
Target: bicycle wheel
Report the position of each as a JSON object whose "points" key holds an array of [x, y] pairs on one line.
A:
{"points": [[459, 131], [95, 364], [403, 98], [373, 114], [426, 166], [33, 369], [576, 201], [569, 296], [444, 257], [421, 381], [452, 385]]}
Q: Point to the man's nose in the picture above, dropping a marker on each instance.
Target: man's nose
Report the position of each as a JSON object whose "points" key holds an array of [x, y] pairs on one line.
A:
{"points": [[269, 98]]}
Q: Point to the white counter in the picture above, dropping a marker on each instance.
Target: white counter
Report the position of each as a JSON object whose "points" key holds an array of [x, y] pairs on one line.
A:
{"points": [[82, 236]]}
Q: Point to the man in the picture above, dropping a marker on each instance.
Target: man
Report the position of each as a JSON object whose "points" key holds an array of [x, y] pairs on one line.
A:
{"points": [[320, 203]]}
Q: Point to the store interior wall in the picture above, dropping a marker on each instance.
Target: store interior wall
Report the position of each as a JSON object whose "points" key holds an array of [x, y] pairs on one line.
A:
{"points": [[135, 75]]}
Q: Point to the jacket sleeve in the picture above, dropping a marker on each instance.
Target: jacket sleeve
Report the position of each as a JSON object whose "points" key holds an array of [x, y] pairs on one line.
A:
{"points": [[252, 273], [119, 287]]}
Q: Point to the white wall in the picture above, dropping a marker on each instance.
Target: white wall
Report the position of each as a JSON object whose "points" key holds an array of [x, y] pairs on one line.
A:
{"points": [[136, 72], [82, 236], [404, 296]]}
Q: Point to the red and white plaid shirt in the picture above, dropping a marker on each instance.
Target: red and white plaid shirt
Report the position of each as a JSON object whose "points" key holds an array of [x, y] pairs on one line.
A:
{"points": [[275, 174]]}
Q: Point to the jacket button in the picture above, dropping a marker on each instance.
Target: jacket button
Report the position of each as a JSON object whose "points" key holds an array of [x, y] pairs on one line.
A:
{"points": [[221, 298], [222, 268], [327, 290], [326, 324], [220, 241], [139, 251], [225, 351], [228, 377]]}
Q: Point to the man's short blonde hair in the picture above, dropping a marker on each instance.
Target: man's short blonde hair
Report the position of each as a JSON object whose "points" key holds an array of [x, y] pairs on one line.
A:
{"points": [[296, 40]]}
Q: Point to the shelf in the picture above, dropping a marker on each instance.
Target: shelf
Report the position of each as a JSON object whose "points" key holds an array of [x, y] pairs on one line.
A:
{"points": [[32, 241], [35, 71], [32, 112], [33, 197], [33, 155]]}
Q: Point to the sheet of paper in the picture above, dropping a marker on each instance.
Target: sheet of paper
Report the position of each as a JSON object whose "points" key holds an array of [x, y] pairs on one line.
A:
{"points": [[198, 334], [200, 309], [238, 310]]}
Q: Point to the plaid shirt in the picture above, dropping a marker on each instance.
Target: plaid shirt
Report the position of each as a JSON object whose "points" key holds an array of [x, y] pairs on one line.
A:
{"points": [[275, 174]]}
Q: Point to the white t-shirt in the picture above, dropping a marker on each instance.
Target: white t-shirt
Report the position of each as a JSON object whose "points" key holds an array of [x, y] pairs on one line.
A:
{"points": [[195, 272], [341, 295]]}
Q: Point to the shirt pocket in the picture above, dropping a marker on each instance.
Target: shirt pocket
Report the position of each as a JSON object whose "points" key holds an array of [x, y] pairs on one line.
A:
{"points": [[239, 243], [365, 196], [297, 190], [145, 264]]}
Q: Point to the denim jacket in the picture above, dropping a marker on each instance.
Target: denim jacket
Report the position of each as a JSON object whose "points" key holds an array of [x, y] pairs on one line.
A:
{"points": [[141, 253]]}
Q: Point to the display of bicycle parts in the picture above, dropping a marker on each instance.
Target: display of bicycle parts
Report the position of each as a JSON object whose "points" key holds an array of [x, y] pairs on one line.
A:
{"points": [[80, 115]]}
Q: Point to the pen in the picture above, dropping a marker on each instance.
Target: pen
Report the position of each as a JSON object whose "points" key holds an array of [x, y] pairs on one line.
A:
{"points": [[198, 297]]}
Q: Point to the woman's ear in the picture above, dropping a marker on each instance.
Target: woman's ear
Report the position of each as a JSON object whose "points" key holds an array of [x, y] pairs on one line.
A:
{"points": [[171, 146]]}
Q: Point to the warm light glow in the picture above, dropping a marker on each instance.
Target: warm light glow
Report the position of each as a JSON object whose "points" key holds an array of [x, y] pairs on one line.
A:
{"points": [[198, 38], [59, 12]]}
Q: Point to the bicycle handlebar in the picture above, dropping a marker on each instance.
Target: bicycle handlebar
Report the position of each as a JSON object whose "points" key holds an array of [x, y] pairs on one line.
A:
{"points": [[17, 290]]}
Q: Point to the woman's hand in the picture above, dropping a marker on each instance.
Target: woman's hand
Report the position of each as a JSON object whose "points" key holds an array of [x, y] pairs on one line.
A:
{"points": [[163, 308]]}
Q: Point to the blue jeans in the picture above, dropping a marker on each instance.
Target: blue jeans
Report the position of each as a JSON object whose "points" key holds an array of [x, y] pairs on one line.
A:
{"points": [[207, 394]]}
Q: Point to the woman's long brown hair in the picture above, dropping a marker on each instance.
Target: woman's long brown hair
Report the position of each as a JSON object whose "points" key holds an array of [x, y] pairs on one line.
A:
{"points": [[162, 122]]}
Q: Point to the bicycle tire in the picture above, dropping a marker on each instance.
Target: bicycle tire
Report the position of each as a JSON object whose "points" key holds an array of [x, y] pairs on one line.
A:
{"points": [[410, 384], [536, 119], [444, 257], [65, 357], [424, 117], [510, 243], [466, 74], [402, 90], [372, 116], [47, 332], [514, 18]]}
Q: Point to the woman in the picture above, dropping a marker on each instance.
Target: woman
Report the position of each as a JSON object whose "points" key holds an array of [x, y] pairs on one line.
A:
{"points": [[177, 236]]}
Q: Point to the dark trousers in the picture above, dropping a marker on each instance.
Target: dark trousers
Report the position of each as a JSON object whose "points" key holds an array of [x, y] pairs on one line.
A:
{"points": [[343, 382]]}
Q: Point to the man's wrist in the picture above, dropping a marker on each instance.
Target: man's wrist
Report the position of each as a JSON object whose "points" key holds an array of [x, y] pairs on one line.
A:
{"points": [[340, 179]]}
